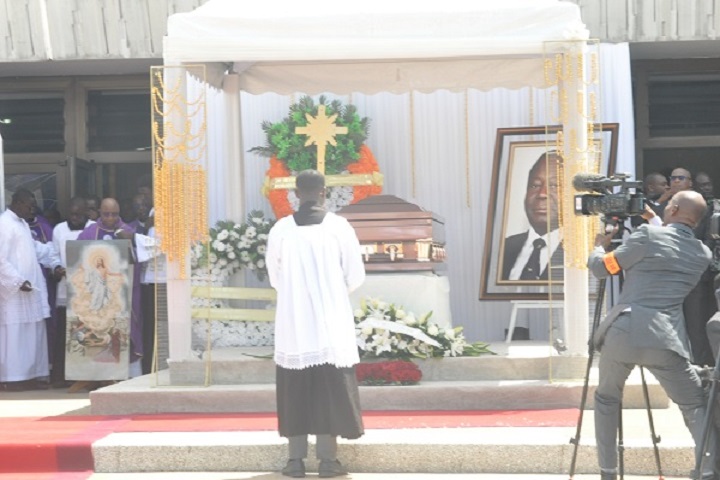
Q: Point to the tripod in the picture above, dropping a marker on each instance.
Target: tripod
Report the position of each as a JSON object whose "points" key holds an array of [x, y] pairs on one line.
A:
{"points": [[708, 421], [591, 354]]}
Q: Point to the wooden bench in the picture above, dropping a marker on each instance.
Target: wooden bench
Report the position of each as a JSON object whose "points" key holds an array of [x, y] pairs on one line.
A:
{"points": [[235, 293]]}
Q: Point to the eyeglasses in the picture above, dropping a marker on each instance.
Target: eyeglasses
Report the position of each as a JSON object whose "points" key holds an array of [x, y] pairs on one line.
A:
{"points": [[679, 178]]}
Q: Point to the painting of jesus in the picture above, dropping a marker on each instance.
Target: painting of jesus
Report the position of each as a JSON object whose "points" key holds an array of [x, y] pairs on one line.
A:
{"points": [[99, 287]]}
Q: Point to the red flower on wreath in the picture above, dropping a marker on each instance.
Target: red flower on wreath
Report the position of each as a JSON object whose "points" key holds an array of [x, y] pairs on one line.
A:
{"points": [[365, 164], [395, 372], [278, 198]]}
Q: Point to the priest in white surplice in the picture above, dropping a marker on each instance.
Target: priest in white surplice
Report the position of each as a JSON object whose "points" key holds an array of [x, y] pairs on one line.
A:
{"points": [[23, 296], [314, 261]]}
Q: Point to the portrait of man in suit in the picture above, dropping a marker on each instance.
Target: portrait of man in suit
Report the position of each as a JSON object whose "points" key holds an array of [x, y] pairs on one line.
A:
{"points": [[524, 251], [528, 255]]}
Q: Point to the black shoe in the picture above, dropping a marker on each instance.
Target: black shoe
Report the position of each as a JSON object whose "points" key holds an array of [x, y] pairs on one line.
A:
{"points": [[295, 468], [331, 468], [560, 346], [608, 476]]}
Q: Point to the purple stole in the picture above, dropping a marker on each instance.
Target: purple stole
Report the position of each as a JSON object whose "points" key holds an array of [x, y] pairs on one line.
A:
{"points": [[42, 232], [98, 232], [137, 227]]}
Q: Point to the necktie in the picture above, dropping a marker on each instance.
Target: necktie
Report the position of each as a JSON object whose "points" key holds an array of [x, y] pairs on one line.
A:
{"points": [[532, 267]]}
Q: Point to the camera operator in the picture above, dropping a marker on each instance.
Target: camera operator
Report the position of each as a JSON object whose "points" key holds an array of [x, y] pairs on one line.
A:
{"points": [[661, 265]]}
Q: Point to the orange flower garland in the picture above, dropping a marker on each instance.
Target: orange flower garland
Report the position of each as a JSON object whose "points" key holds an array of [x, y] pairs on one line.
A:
{"points": [[366, 164], [278, 198]]}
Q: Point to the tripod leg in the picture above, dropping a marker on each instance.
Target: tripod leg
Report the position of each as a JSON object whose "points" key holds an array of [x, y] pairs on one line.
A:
{"points": [[591, 353], [621, 445], [655, 438], [708, 422]]}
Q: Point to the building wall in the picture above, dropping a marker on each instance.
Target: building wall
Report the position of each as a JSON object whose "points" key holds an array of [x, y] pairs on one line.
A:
{"points": [[651, 20], [36, 30]]}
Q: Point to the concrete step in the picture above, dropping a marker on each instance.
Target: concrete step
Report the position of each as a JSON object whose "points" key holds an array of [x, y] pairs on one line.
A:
{"points": [[354, 476], [154, 394], [517, 361], [451, 450]]}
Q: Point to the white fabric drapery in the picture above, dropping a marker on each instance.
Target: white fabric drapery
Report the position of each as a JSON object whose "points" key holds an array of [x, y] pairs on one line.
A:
{"points": [[320, 45], [440, 138]]}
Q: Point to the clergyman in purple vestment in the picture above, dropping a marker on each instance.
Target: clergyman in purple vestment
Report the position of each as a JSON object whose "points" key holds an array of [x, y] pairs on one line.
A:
{"points": [[111, 227]]}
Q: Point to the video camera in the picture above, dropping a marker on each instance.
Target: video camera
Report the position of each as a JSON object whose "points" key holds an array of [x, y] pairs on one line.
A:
{"points": [[603, 201]]}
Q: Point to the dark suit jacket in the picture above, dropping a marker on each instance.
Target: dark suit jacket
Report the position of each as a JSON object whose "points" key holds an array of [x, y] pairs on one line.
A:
{"points": [[513, 246], [671, 260]]}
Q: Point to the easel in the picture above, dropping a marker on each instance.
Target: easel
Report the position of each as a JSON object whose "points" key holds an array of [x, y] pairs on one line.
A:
{"points": [[518, 304]]}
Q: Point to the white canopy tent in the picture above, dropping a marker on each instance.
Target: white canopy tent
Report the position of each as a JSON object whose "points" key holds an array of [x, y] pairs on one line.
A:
{"points": [[376, 46]]}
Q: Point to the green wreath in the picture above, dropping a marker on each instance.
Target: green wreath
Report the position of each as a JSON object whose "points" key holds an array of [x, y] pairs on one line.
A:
{"points": [[289, 147]]}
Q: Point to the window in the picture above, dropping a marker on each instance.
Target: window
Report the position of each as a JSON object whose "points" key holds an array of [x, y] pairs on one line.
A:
{"points": [[118, 120], [32, 122], [684, 105]]}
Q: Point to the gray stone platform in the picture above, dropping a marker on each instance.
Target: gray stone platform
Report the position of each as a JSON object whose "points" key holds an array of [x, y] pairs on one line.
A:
{"points": [[525, 376], [530, 376], [449, 450]]}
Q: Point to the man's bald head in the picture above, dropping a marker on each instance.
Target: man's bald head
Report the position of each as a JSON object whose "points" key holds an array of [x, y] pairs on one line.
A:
{"points": [[687, 207], [541, 195], [109, 213]]}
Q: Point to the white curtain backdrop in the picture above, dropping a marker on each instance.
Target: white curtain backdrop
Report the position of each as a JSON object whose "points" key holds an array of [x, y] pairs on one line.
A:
{"points": [[217, 148], [448, 150]]}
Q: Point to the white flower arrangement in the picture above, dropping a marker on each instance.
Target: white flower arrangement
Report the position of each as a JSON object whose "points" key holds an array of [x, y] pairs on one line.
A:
{"points": [[230, 248], [386, 331], [233, 246]]}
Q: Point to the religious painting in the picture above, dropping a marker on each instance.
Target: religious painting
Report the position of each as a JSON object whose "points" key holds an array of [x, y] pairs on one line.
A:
{"points": [[523, 258], [100, 281]]}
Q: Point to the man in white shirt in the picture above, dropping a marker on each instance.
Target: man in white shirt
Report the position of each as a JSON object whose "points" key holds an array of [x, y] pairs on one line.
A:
{"points": [[23, 297], [69, 230], [314, 261]]}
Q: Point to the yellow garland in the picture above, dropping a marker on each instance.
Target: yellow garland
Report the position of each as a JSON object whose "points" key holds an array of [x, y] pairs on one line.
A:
{"points": [[179, 149]]}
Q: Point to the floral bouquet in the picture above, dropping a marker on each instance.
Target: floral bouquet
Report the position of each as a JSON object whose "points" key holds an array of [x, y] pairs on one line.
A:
{"points": [[387, 331], [234, 246], [394, 372]]}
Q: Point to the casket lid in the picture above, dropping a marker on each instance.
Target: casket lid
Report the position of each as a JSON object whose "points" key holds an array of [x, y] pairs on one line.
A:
{"points": [[385, 206]]}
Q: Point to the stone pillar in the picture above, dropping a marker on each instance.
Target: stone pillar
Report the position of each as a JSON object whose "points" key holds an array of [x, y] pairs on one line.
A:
{"points": [[575, 129]]}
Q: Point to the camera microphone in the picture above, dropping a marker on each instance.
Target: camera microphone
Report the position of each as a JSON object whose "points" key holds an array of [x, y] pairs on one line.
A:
{"points": [[583, 182]]}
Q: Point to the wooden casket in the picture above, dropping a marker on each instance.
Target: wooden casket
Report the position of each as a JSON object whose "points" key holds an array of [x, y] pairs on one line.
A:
{"points": [[396, 235]]}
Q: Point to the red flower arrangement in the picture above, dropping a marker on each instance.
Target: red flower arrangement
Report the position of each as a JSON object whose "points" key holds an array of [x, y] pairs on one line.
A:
{"points": [[395, 372]]}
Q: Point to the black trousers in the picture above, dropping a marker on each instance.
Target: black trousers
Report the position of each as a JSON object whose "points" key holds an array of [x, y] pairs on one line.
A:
{"points": [[698, 307], [58, 348], [149, 321]]}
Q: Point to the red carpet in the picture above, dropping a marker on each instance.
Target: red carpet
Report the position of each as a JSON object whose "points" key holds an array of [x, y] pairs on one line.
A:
{"points": [[41, 446]]}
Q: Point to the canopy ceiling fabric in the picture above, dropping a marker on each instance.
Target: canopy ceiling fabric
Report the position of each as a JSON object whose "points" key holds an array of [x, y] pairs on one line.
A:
{"points": [[318, 46]]}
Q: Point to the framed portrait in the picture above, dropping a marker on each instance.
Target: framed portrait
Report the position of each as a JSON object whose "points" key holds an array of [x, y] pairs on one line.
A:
{"points": [[523, 257], [100, 282]]}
